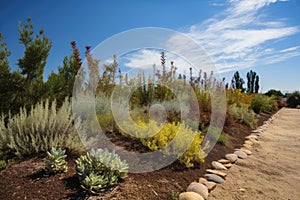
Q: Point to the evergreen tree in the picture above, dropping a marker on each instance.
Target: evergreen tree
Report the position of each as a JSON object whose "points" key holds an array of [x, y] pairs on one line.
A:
{"points": [[237, 81], [5, 92], [37, 48], [256, 86], [252, 82]]}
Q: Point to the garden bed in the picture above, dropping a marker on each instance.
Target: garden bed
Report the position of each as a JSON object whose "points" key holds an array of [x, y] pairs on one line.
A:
{"points": [[25, 179]]}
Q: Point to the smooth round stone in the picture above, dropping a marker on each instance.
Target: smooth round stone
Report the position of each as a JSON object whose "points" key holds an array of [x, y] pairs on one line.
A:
{"points": [[190, 196], [241, 154], [215, 178], [199, 188], [248, 152], [218, 165], [248, 142], [232, 157]]}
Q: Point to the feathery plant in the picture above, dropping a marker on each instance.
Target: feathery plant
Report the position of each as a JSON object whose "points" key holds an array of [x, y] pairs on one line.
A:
{"points": [[100, 169], [55, 161], [40, 129]]}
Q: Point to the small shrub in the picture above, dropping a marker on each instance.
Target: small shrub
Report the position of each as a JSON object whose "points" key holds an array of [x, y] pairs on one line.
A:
{"points": [[243, 114], [55, 161], [262, 103], [100, 169], [293, 99], [223, 139], [40, 129], [156, 137]]}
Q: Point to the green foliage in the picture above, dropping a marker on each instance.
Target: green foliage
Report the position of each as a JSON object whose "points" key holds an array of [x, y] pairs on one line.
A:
{"points": [[2, 164], [252, 82], [174, 195], [293, 99], [55, 161], [262, 103], [40, 129], [238, 82], [157, 137], [100, 169], [37, 48], [276, 93], [243, 114], [104, 113], [223, 139]]}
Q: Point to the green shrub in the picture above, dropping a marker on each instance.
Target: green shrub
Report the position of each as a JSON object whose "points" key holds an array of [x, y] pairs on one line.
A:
{"points": [[40, 129], [2, 164], [293, 99], [243, 114], [55, 161], [156, 137], [223, 139], [262, 103], [100, 169]]}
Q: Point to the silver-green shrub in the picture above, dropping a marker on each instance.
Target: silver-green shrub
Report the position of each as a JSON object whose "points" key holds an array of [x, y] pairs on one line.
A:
{"points": [[55, 161], [243, 114], [100, 169], [39, 129]]}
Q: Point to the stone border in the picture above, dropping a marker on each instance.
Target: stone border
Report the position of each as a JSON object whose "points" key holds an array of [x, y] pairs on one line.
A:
{"points": [[200, 190]]}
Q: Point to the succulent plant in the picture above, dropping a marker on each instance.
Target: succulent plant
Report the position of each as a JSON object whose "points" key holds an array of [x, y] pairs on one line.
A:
{"points": [[100, 169], [55, 161]]}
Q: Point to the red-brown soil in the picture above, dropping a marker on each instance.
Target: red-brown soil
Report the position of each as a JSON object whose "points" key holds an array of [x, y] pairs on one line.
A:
{"points": [[25, 179]]}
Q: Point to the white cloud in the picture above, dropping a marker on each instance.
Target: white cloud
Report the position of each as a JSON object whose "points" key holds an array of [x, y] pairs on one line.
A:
{"points": [[236, 38], [239, 37]]}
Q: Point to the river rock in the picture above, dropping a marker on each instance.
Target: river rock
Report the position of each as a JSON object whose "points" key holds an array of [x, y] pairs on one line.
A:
{"points": [[202, 180], [210, 185], [247, 146], [190, 196], [228, 165], [224, 161], [248, 142], [215, 178], [199, 188], [218, 165], [222, 174], [232, 157], [248, 152], [241, 154]]}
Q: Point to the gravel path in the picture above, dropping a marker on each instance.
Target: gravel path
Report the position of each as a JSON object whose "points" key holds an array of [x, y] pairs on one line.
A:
{"points": [[273, 171]]}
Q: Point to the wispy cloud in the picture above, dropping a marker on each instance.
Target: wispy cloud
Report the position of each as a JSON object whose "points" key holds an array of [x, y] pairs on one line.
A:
{"points": [[236, 39], [241, 36]]}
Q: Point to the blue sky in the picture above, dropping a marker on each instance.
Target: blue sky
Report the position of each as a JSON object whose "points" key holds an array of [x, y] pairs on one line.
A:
{"points": [[262, 35]]}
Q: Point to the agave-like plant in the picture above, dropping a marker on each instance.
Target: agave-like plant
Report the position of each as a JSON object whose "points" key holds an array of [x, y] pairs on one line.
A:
{"points": [[100, 169], [55, 161]]}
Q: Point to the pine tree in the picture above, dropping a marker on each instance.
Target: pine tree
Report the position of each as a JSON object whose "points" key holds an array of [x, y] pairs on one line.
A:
{"points": [[37, 48]]}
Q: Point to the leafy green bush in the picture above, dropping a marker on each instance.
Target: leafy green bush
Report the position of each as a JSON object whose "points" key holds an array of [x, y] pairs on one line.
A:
{"points": [[243, 114], [100, 169], [40, 129], [293, 99], [262, 103], [2, 164], [156, 137], [55, 161]]}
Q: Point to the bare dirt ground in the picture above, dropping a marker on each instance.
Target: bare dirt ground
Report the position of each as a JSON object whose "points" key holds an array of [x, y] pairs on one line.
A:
{"points": [[273, 171]]}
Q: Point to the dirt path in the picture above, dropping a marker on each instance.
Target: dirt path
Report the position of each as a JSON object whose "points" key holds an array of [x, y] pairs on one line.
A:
{"points": [[273, 171]]}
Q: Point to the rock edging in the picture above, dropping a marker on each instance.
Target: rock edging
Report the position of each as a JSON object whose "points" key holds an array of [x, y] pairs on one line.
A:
{"points": [[215, 176]]}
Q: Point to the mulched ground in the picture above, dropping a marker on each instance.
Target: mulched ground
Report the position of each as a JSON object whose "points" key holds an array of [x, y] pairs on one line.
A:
{"points": [[25, 179]]}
